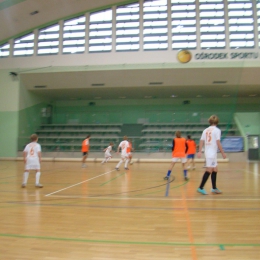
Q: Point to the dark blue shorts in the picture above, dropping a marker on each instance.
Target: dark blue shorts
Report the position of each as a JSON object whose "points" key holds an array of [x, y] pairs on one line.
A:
{"points": [[190, 156]]}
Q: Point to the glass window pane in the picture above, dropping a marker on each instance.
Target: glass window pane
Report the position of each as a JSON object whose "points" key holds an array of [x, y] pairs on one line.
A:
{"points": [[241, 24], [100, 31], [74, 33], [184, 29], [155, 25], [127, 27], [212, 24], [23, 46], [4, 50], [48, 40]]}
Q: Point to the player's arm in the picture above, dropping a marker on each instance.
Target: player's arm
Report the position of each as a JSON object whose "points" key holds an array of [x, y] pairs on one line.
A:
{"points": [[173, 144], [24, 156], [40, 156], [200, 148], [221, 149]]}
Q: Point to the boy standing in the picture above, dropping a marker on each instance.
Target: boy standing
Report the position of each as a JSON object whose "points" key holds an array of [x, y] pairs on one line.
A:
{"points": [[84, 150], [179, 149], [211, 139], [32, 160], [191, 152]]}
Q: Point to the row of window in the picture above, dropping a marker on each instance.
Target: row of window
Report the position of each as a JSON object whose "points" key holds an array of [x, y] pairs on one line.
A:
{"points": [[151, 25]]}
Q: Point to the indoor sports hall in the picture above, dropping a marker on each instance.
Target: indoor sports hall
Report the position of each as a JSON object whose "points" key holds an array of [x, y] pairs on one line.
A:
{"points": [[142, 71]]}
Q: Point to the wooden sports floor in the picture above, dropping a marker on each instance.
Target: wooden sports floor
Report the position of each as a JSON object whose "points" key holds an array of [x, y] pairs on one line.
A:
{"points": [[99, 213]]}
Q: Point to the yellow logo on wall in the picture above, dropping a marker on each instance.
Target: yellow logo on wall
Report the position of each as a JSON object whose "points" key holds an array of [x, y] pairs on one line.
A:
{"points": [[184, 56]]}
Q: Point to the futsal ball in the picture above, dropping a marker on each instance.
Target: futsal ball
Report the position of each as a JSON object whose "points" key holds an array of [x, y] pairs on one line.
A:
{"points": [[184, 56]]}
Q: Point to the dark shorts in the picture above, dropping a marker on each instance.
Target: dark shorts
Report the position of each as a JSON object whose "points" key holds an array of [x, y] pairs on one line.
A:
{"points": [[190, 156], [85, 153]]}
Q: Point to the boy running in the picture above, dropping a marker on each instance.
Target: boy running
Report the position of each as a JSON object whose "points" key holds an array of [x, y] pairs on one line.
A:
{"points": [[32, 160]]}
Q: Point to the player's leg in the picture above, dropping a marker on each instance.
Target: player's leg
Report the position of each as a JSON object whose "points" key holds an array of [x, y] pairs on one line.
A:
{"points": [[120, 162], [25, 178], [84, 157], [126, 162], [170, 169], [37, 179], [184, 162], [205, 176], [214, 181]]}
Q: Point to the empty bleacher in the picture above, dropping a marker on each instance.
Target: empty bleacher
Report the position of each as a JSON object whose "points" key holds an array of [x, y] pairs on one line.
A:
{"points": [[158, 136], [69, 137]]}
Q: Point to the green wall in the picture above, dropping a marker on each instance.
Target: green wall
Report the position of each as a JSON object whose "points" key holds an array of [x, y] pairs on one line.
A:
{"points": [[138, 111], [8, 133]]}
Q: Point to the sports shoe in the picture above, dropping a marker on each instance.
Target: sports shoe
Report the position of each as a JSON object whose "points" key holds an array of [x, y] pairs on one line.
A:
{"points": [[23, 185], [216, 191], [166, 178], [83, 166], [117, 169], [38, 185], [202, 191], [126, 168], [186, 178]]}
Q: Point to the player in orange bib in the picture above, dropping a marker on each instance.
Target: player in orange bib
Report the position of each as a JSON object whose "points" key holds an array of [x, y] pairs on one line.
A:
{"points": [[179, 149], [85, 150], [191, 152]]}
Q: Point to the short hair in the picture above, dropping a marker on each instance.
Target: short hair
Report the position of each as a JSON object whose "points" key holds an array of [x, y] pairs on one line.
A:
{"points": [[178, 134], [88, 136], [125, 137], [34, 137], [188, 136], [213, 120], [111, 143]]}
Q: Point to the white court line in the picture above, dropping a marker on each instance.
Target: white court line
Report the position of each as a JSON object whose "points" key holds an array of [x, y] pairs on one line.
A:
{"points": [[153, 199], [78, 183]]}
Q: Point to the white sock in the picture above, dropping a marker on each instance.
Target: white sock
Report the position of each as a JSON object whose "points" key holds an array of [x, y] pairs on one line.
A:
{"points": [[25, 177], [126, 163], [119, 163], [37, 177]]}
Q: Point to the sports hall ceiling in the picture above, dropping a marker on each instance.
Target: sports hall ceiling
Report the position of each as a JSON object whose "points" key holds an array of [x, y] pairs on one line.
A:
{"points": [[16, 18]]}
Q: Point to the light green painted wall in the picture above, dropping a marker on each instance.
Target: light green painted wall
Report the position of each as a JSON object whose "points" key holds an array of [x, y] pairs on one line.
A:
{"points": [[9, 92], [8, 133], [19, 113], [131, 111], [248, 124], [9, 96]]}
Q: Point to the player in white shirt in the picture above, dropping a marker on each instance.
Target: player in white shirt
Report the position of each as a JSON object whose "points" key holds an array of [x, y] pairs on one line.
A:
{"points": [[210, 139], [32, 160], [124, 155], [108, 155]]}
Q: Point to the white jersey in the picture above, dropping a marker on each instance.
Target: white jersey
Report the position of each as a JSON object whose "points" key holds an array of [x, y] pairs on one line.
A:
{"points": [[123, 145], [210, 136], [32, 158], [108, 151]]}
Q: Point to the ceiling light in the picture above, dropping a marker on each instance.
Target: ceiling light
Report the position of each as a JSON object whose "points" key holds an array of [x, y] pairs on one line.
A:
{"points": [[226, 96], [252, 95], [155, 83], [97, 84], [34, 12], [173, 96], [122, 97], [198, 96], [147, 96], [219, 82]]}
